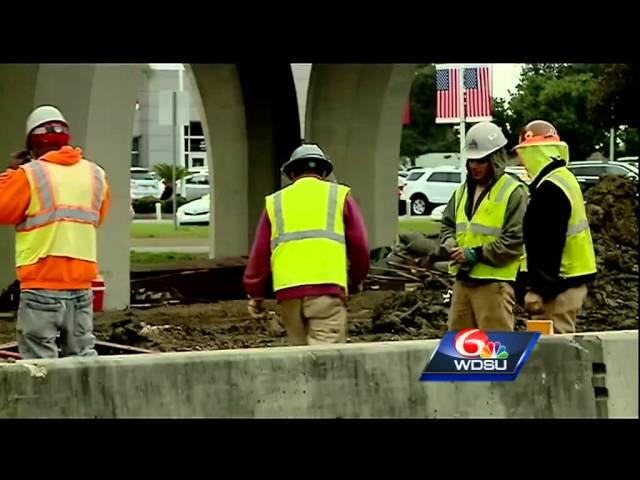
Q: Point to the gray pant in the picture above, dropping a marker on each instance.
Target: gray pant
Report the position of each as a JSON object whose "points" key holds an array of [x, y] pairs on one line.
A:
{"points": [[44, 315]]}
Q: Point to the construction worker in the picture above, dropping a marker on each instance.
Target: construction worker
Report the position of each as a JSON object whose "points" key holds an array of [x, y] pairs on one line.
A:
{"points": [[560, 259], [56, 199], [308, 234], [482, 231]]}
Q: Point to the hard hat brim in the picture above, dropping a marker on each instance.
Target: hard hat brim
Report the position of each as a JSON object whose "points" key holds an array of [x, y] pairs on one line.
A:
{"points": [[478, 154], [327, 164]]}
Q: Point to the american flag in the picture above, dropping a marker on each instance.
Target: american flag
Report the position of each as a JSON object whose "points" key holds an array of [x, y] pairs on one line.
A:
{"points": [[477, 85], [447, 93]]}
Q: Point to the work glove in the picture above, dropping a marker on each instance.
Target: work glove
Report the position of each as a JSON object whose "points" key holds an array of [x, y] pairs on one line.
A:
{"points": [[464, 255], [533, 303], [256, 308]]}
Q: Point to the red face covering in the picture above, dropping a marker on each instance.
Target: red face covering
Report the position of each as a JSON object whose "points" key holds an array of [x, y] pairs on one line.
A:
{"points": [[48, 137]]}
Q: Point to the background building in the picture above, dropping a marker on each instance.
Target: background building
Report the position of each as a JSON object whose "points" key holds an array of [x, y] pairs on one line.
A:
{"points": [[153, 142]]}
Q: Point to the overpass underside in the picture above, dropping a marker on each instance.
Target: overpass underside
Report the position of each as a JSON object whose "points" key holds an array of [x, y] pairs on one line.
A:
{"points": [[251, 122]]}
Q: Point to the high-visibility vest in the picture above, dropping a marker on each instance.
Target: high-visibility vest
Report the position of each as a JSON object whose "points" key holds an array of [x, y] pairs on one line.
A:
{"points": [[63, 213], [307, 234], [578, 255], [484, 227]]}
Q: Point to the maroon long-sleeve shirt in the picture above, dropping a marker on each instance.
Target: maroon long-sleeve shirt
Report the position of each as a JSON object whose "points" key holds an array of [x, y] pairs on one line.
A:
{"points": [[258, 269]]}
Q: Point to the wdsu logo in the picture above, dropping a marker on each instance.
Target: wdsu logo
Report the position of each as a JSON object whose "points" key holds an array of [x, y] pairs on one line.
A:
{"points": [[472, 355]]}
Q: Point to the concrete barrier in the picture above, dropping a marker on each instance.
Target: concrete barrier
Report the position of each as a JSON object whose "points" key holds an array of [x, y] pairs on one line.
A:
{"points": [[358, 380], [615, 372]]}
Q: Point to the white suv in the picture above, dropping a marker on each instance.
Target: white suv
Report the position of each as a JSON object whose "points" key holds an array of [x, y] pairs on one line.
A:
{"points": [[144, 183], [427, 188]]}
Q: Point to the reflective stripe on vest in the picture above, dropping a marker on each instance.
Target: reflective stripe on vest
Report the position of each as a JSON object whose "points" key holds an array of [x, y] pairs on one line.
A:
{"points": [[485, 228], [328, 233], [49, 212], [477, 228]]}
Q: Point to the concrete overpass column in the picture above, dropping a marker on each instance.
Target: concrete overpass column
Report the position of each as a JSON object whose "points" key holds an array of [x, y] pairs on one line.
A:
{"points": [[99, 103], [17, 87], [108, 140], [355, 113], [224, 125], [249, 114]]}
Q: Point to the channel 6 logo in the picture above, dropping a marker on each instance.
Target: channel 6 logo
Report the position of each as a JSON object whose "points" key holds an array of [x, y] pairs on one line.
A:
{"points": [[472, 355]]}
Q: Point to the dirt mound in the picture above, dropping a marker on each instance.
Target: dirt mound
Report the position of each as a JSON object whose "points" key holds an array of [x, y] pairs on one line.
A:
{"points": [[612, 208], [190, 327]]}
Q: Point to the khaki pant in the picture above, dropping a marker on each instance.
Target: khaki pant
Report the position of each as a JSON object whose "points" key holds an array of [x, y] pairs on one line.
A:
{"points": [[563, 310], [486, 306], [45, 315], [314, 320]]}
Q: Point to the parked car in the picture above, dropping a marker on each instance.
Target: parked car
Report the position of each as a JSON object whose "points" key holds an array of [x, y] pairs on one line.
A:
{"points": [[402, 181], [195, 186], [144, 183], [633, 161], [427, 188], [589, 172], [194, 212]]}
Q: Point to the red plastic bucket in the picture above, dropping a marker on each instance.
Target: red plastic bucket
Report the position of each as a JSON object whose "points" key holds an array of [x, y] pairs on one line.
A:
{"points": [[98, 294]]}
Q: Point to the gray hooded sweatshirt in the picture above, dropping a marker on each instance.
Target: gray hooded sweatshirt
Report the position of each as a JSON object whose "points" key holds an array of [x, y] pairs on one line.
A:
{"points": [[507, 247]]}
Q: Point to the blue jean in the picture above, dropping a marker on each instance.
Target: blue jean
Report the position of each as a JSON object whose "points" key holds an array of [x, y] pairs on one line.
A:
{"points": [[45, 315]]}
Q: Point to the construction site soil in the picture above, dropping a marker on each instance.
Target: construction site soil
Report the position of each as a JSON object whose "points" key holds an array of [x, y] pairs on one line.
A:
{"points": [[612, 304]]}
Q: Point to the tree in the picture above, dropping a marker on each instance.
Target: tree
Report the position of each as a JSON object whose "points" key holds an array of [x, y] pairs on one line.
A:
{"points": [[165, 172], [628, 142], [423, 135], [559, 94], [502, 117], [615, 101]]}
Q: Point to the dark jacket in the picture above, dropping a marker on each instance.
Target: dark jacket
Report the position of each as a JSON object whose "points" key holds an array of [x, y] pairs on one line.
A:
{"points": [[508, 246], [545, 231]]}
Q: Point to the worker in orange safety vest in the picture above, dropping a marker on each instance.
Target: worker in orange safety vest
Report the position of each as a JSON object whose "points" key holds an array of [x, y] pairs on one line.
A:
{"points": [[56, 200]]}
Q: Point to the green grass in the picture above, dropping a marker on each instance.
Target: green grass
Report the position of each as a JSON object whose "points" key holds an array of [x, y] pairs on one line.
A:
{"points": [[418, 224], [166, 230], [147, 258]]}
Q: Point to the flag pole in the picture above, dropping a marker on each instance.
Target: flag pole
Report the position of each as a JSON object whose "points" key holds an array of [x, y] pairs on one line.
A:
{"points": [[461, 115]]}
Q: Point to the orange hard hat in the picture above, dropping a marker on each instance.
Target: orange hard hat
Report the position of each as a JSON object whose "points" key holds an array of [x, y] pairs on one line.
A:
{"points": [[538, 132]]}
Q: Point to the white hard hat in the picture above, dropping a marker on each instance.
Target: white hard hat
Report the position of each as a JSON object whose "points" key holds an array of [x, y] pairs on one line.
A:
{"points": [[42, 115], [483, 139]]}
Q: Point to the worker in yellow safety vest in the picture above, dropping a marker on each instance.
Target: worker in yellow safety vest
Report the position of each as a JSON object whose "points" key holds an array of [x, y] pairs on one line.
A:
{"points": [[312, 240], [56, 200], [482, 231], [560, 259]]}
